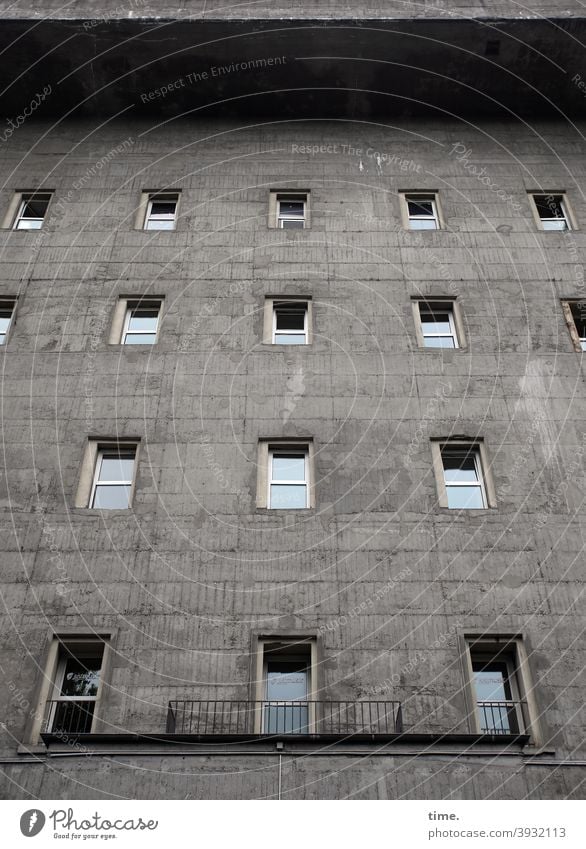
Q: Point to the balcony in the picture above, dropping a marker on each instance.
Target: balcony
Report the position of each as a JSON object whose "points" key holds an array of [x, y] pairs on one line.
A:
{"points": [[502, 718], [71, 716], [234, 718]]}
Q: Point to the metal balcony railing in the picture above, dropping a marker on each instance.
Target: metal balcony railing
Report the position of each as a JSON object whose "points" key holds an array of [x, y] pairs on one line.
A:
{"points": [[505, 717], [214, 717], [69, 717]]}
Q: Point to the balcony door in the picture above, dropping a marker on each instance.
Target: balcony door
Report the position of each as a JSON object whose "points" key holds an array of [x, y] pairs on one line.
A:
{"points": [[497, 695], [285, 695]]}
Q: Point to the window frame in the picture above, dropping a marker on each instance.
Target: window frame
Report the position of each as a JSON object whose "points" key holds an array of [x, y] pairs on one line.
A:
{"points": [[565, 207], [568, 305], [90, 469], [271, 481], [415, 196], [102, 450], [512, 649], [285, 446], [70, 640], [289, 306], [123, 304], [448, 303], [465, 444], [277, 195], [20, 200], [270, 304], [286, 643], [133, 306], [143, 211], [8, 305]]}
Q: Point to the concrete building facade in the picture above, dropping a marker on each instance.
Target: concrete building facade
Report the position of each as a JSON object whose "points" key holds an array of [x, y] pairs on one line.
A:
{"points": [[425, 646]]}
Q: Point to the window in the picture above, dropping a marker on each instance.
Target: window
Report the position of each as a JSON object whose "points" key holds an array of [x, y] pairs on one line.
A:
{"points": [[141, 323], [7, 307], [285, 685], [439, 324], [161, 212], [501, 693], [72, 704], [113, 478], [421, 211], [462, 473], [290, 323], [288, 484], [552, 211], [32, 211], [463, 478], [289, 210], [575, 315], [284, 480]]}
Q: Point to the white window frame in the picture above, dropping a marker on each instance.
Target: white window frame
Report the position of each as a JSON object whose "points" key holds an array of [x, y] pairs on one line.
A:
{"points": [[446, 306], [291, 306], [113, 449], [473, 451], [138, 306], [7, 305], [163, 197], [283, 197], [25, 198], [300, 451], [422, 196], [567, 218]]}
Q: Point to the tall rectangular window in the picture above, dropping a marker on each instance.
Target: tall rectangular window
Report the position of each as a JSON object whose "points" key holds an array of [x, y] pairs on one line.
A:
{"points": [[463, 478], [7, 308], [290, 321], [161, 212], [500, 687], [288, 487], [285, 686], [141, 323], [32, 211], [72, 704], [438, 325], [422, 211], [113, 478], [552, 211]]}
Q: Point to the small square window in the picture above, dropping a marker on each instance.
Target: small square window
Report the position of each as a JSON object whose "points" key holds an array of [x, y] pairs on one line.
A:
{"points": [[141, 323], [290, 323], [113, 478], [462, 473], [438, 324], [7, 308], [32, 211], [575, 313], [552, 211], [161, 212], [289, 210], [422, 212]]}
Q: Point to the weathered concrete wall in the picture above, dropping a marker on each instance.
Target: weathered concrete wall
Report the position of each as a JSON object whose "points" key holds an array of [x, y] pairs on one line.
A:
{"points": [[194, 568]]}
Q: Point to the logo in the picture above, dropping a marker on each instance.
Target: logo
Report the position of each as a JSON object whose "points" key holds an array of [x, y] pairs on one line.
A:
{"points": [[32, 822]]}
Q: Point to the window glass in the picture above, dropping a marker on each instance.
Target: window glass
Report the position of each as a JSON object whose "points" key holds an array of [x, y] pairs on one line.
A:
{"points": [[292, 208], [288, 467], [112, 497], [459, 467], [116, 467], [288, 319], [420, 207], [81, 677]]}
